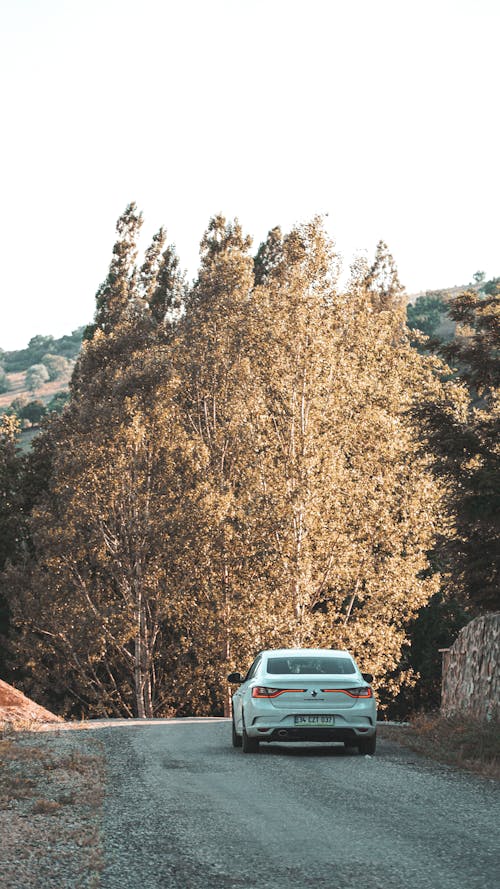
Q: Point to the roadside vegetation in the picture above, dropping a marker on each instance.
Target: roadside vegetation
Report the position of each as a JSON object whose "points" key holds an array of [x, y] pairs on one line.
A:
{"points": [[460, 741], [50, 800], [262, 458]]}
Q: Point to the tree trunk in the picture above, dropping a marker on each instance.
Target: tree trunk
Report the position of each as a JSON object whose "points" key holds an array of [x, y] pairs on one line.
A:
{"points": [[138, 678]]}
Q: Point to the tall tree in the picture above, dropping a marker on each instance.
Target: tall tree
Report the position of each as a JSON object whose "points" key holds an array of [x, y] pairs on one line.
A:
{"points": [[11, 515], [382, 280], [99, 589], [349, 505], [116, 299], [464, 438], [167, 296], [213, 363]]}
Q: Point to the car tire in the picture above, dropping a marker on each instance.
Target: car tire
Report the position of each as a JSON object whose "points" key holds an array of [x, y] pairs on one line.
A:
{"points": [[249, 745], [237, 739], [368, 745]]}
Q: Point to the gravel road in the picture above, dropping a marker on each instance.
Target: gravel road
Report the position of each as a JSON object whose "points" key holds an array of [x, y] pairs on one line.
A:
{"points": [[184, 810]]}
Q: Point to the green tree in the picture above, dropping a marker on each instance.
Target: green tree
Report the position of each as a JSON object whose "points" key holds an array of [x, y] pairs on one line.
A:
{"points": [[33, 411], [463, 438], [427, 313], [38, 346], [4, 381], [56, 365], [36, 376], [58, 401]]}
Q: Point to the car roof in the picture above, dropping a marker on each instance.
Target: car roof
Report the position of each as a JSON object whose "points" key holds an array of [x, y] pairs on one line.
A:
{"points": [[298, 652]]}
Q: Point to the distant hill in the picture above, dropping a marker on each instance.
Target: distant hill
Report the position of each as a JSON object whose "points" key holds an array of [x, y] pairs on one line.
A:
{"points": [[67, 346], [428, 312], [446, 292], [35, 380]]}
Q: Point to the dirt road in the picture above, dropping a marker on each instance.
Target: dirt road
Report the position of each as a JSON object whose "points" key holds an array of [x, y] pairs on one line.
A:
{"points": [[184, 810]]}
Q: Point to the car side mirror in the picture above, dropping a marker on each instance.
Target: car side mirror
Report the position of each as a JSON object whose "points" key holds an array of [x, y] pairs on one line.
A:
{"points": [[234, 677], [367, 677]]}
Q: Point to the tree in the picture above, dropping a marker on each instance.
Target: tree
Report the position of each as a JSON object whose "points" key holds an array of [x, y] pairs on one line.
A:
{"points": [[212, 362], [33, 411], [463, 430], [4, 381], [269, 256], [382, 280], [162, 283], [97, 597], [58, 401], [38, 346], [10, 514], [347, 504], [427, 313], [56, 365], [102, 585], [241, 471], [36, 376], [117, 299]]}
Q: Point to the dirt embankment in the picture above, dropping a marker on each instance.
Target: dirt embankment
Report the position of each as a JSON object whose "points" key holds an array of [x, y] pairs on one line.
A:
{"points": [[19, 711]]}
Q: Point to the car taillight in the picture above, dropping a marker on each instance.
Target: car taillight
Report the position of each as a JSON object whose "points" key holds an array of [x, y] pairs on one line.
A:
{"points": [[363, 691], [262, 691]]}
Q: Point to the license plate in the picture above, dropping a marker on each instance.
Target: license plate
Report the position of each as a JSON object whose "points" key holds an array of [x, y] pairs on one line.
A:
{"points": [[315, 719]]}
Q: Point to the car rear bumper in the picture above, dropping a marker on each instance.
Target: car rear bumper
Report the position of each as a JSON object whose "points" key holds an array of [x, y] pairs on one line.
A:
{"points": [[315, 734], [307, 733]]}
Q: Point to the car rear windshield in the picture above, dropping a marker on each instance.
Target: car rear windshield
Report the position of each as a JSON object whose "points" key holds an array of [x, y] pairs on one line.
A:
{"points": [[299, 665]]}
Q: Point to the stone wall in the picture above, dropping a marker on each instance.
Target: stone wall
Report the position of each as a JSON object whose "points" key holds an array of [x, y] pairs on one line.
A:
{"points": [[471, 671]]}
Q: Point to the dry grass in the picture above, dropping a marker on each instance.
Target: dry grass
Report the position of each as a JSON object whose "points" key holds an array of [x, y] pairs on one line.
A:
{"points": [[51, 792], [44, 393], [459, 741]]}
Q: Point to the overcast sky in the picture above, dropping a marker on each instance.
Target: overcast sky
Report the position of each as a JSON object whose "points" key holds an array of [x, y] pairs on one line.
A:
{"points": [[384, 114]]}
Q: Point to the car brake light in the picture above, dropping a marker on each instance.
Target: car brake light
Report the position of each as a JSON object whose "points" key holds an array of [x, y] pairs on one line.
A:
{"points": [[262, 691], [360, 692]]}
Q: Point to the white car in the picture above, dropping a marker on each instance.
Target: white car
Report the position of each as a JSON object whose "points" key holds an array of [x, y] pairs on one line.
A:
{"points": [[304, 694]]}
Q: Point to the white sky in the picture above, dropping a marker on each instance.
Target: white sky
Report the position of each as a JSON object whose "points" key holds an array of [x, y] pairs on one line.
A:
{"points": [[382, 113]]}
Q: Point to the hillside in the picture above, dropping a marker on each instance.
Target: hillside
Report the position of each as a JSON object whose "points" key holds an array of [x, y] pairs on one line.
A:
{"points": [[46, 392], [35, 380], [19, 711]]}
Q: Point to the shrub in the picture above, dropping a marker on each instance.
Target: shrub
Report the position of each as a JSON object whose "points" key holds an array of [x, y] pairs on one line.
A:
{"points": [[4, 381], [56, 365], [36, 376]]}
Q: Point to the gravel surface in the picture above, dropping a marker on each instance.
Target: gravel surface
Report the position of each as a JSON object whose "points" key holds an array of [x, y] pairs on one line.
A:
{"points": [[184, 810], [50, 797]]}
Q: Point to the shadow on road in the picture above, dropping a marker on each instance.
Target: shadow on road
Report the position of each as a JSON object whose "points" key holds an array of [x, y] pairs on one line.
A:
{"points": [[306, 750]]}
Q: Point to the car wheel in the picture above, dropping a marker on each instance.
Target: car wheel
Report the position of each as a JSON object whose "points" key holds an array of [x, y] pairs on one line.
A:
{"points": [[236, 738], [249, 745], [368, 745]]}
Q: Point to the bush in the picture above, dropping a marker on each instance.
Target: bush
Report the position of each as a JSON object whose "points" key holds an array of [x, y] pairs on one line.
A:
{"points": [[18, 404], [33, 411], [58, 401], [4, 381], [36, 376], [56, 365]]}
